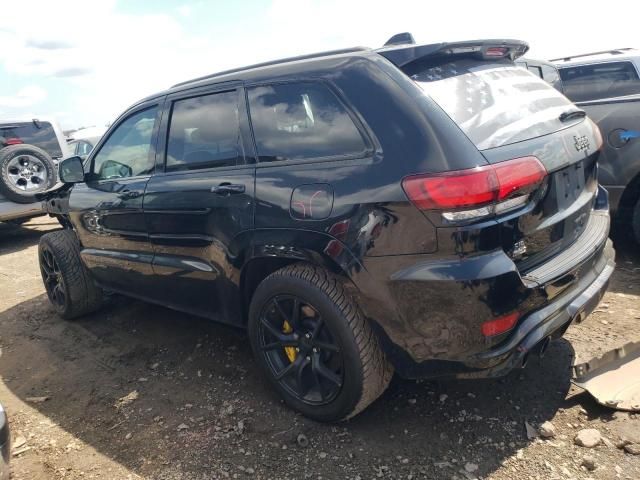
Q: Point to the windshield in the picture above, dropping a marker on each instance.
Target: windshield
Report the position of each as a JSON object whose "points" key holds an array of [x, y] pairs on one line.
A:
{"points": [[494, 104], [41, 135]]}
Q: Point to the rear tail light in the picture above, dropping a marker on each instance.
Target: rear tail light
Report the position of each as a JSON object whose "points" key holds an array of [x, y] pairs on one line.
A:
{"points": [[13, 141], [478, 192], [496, 52], [499, 325]]}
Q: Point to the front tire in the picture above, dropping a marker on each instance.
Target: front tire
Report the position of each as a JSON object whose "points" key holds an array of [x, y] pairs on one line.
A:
{"points": [[67, 281], [314, 344]]}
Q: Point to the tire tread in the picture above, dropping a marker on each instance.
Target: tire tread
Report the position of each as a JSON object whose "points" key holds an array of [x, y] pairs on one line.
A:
{"points": [[376, 368]]}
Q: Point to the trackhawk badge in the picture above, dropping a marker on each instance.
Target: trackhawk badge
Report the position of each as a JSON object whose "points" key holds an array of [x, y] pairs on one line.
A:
{"points": [[581, 143]]}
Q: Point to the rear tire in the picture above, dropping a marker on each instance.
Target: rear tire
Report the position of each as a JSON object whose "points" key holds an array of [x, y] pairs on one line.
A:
{"points": [[334, 356], [68, 283]]}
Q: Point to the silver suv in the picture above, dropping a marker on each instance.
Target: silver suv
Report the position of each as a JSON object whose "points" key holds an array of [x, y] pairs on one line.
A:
{"points": [[29, 153]]}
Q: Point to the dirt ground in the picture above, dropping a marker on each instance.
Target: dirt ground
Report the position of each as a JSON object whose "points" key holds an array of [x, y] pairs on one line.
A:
{"points": [[138, 391]]}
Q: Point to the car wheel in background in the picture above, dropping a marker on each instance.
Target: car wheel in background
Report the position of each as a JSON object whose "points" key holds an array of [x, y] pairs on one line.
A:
{"points": [[314, 344], [67, 281], [24, 171]]}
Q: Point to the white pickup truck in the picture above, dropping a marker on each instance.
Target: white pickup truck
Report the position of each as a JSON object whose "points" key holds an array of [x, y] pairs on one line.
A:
{"points": [[30, 150]]}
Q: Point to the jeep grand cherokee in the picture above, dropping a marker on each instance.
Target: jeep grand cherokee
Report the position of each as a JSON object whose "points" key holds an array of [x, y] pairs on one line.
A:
{"points": [[428, 209]]}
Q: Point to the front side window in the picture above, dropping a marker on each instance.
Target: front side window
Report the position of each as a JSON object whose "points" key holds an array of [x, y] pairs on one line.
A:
{"points": [[126, 153], [295, 121], [204, 132], [604, 80]]}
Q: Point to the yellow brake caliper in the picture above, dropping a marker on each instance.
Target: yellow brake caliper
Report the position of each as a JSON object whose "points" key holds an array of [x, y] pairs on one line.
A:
{"points": [[290, 351]]}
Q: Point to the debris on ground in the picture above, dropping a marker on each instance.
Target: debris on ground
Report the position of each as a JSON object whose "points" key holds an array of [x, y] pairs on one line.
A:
{"points": [[127, 399], [588, 438]]}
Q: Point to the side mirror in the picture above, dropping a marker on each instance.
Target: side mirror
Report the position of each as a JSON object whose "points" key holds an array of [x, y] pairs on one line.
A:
{"points": [[71, 170]]}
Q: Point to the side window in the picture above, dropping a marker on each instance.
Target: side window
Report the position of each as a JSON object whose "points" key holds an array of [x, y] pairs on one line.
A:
{"points": [[605, 80], [126, 153], [204, 132], [301, 120]]}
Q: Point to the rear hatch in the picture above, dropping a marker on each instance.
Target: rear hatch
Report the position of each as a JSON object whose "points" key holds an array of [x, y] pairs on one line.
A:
{"points": [[37, 133], [540, 148]]}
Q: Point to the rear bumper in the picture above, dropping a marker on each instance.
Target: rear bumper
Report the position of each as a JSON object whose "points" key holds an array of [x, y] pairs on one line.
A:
{"points": [[430, 312], [550, 321]]}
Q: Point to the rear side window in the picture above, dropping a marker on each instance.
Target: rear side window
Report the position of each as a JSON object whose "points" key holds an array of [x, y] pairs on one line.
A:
{"points": [[605, 80], [301, 121], [494, 104], [204, 133], [40, 134]]}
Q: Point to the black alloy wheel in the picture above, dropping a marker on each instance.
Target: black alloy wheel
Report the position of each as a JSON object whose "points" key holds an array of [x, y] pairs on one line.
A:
{"points": [[300, 350], [52, 278]]}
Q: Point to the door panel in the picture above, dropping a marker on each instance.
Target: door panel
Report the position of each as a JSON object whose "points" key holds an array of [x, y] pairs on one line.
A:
{"points": [[107, 210], [110, 224], [198, 211], [197, 238]]}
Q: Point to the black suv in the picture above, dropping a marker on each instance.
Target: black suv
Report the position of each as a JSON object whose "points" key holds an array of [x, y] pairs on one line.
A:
{"points": [[431, 209]]}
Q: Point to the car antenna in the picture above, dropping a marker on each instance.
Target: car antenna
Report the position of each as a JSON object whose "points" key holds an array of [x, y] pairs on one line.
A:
{"points": [[404, 38]]}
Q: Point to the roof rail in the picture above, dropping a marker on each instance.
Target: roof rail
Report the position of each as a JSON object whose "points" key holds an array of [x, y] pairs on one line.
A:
{"points": [[273, 62], [615, 51]]}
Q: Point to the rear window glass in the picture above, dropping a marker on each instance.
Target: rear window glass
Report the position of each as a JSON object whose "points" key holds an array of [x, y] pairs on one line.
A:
{"points": [[295, 121], [494, 104], [605, 80], [204, 133], [41, 135]]}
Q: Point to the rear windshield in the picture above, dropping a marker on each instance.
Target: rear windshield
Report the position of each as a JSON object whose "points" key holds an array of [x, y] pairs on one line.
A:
{"points": [[41, 135], [494, 104]]}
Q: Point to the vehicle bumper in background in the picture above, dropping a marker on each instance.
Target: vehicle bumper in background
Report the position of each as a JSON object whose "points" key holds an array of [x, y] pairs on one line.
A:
{"points": [[10, 210], [5, 445]]}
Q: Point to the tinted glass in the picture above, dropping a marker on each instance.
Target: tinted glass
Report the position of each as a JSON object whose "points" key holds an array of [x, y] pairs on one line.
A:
{"points": [[494, 104], [204, 133], [126, 153], [41, 135], [302, 120], [605, 80]]}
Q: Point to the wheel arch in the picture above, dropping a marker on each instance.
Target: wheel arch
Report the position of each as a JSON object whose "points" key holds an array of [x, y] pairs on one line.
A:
{"points": [[314, 248]]}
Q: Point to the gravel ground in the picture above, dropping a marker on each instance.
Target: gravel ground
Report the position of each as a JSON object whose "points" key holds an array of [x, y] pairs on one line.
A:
{"points": [[138, 391]]}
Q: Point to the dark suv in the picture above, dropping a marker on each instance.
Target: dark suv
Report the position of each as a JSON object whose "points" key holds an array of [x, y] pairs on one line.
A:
{"points": [[432, 210]]}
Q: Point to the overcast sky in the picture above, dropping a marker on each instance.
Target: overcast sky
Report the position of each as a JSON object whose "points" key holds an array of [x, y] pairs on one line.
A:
{"points": [[86, 61]]}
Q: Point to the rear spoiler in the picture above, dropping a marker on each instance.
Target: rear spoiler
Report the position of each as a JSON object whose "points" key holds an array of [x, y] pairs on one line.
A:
{"points": [[402, 55]]}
